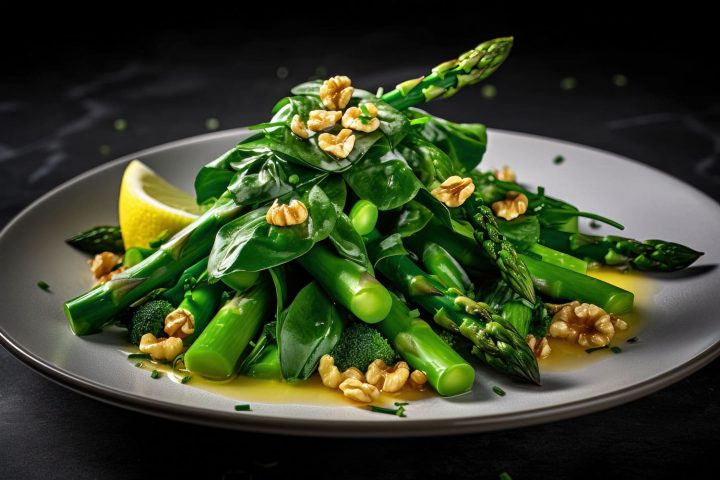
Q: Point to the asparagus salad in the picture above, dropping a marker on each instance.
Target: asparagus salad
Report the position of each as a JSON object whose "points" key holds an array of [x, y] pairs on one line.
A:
{"points": [[353, 237]]}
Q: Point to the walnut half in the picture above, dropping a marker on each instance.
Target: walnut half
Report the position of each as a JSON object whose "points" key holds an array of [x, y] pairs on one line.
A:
{"points": [[454, 191], [354, 118], [339, 145], [514, 205], [584, 323], [336, 92], [282, 215], [161, 348], [540, 347]]}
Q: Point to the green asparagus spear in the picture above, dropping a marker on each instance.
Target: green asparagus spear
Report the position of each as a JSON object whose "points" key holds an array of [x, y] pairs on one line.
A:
{"points": [[651, 255], [440, 263], [449, 77], [202, 302], [90, 311], [496, 342], [98, 239], [424, 350]]}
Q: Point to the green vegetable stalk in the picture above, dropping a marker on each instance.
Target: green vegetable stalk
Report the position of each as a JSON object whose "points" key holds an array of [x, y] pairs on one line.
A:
{"points": [[495, 341], [424, 350], [348, 283], [98, 239], [202, 302], [218, 348], [440, 263]]}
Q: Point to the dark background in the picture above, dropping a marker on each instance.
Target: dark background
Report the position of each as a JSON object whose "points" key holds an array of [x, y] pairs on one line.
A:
{"points": [[66, 78]]}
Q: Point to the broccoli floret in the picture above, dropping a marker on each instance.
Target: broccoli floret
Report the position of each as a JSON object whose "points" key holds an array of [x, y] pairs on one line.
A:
{"points": [[149, 318], [359, 346]]}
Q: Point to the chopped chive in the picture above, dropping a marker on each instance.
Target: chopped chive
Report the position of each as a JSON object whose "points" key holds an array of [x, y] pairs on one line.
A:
{"points": [[262, 126], [145, 356], [242, 408], [505, 476], [498, 391], [154, 374], [185, 379], [399, 412], [139, 364], [212, 123], [616, 349], [419, 121], [633, 340], [558, 159], [364, 110], [595, 349], [401, 404], [120, 124], [594, 224], [43, 286]]}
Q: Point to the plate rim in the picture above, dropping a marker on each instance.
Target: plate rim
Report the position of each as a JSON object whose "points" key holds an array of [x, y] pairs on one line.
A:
{"points": [[342, 428]]}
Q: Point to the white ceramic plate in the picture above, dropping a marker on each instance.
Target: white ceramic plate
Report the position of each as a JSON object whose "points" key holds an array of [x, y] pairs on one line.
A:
{"points": [[681, 335]]}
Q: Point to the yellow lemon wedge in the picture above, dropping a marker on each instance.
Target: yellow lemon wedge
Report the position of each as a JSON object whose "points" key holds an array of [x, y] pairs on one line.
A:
{"points": [[149, 205]]}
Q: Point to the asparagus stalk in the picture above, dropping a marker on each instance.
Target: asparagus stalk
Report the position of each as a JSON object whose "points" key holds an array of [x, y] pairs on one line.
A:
{"points": [[348, 283], [89, 312], [554, 257], [563, 284], [495, 341], [217, 350], [202, 302], [176, 293], [440, 263], [651, 255], [447, 78], [424, 350]]}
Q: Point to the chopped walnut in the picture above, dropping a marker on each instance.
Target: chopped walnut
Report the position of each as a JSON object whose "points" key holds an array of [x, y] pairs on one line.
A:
{"points": [[354, 117], [418, 379], [376, 372], [336, 92], [339, 145], [514, 205], [584, 323], [454, 191], [505, 174], [298, 127], [180, 323], [329, 373], [104, 263], [359, 391], [388, 379], [541, 348], [322, 120], [161, 348], [353, 372], [282, 215]]}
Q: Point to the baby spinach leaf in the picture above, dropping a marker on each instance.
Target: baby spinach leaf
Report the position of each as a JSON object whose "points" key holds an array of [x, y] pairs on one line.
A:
{"points": [[385, 179], [349, 243], [389, 246], [523, 231], [438, 209], [308, 88], [412, 219], [336, 190], [430, 164], [464, 143], [393, 123], [309, 329], [212, 179], [263, 175], [250, 244]]}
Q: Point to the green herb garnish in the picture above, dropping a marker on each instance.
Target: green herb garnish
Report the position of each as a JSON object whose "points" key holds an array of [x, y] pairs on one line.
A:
{"points": [[633, 340], [154, 374], [498, 391], [139, 364], [365, 117], [419, 121], [144, 356], [185, 379], [398, 412], [401, 404], [43, 286], [558, 160], [242, 408], [594, 224], [616, 349], [595, 349]]}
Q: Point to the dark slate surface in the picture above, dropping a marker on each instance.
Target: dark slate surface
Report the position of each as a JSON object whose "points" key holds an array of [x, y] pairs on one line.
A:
{"points": [[57, 120]]}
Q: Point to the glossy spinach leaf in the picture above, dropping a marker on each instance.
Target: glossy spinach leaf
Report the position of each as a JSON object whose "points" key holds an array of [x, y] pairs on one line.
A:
{"points": [[384, 178], [308, 88], [336, 190], [349, 243], [464, 143], [263, 175], [308, 329], [430, 164], [298, 105], [212, 179], [412, 219], [523, 231], [250, 244], [278, 276], [389, 246], [438, 209]]}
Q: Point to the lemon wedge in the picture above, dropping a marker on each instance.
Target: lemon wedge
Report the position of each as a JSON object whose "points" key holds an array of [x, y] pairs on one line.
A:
{"points": [[149, 205]]}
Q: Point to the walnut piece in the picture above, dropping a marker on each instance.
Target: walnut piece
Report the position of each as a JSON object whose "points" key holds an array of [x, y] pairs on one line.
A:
{"points": [[396, 378], [359, 391], [282, 215], [329, 373], [298, 127], [541, 348], [353, 372], [454, 191], [375, 374], [505, 174], [354, 117], [180, 323], [336, 92], [320, 120], [339, 145], [161, 348], [104, 263], [584, 323], [391, 379], [418, 378], [514, 205]]}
